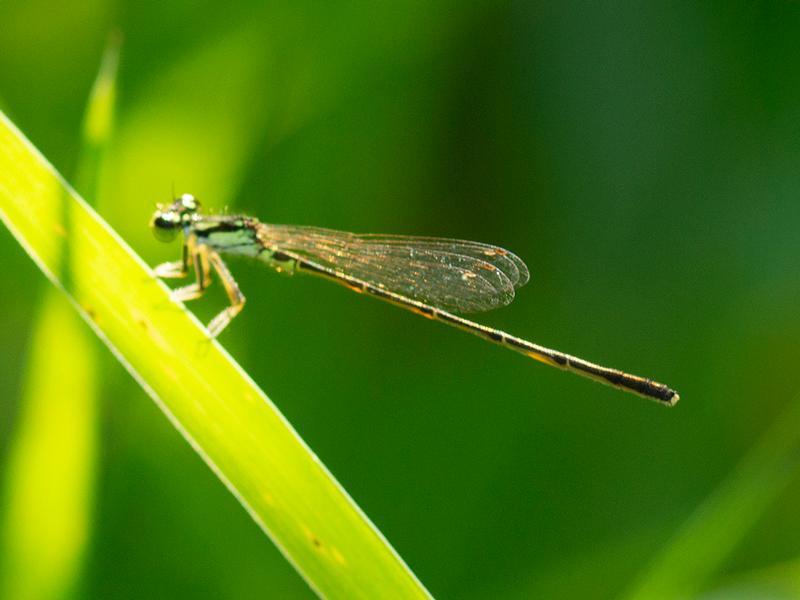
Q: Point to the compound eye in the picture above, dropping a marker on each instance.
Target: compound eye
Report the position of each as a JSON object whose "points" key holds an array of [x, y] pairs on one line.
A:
{"points": [[164, 228]]}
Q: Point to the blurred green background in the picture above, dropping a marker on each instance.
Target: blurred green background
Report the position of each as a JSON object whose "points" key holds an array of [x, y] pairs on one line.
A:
{"points": [[642, 158]]}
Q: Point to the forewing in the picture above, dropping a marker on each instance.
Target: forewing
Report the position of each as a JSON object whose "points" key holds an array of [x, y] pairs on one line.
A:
{"points": [[455, 275]]}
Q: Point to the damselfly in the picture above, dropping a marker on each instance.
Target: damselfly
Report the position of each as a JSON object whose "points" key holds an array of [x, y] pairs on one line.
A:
{"points": [[433, 277]]}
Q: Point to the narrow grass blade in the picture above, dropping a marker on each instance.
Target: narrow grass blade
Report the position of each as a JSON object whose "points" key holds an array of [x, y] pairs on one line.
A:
{"points": [[50, 473], [98, 121], [52, 460], [713, 532], [216, 406], [780, 581]]}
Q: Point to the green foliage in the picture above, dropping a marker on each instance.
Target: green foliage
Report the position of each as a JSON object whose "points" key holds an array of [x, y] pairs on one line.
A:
{"points": [[641, 159]]}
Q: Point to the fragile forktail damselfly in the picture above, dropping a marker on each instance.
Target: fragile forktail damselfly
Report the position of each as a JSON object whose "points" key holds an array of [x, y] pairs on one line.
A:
{"points": [[434, 277]]}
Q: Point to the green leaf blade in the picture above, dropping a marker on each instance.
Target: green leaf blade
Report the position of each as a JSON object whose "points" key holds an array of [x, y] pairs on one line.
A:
{"points": [[216, 406]]}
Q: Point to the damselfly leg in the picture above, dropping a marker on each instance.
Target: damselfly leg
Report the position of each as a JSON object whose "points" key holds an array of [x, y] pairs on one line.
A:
{"points": [[198, 255], [174, 269], [203, 260], [235, 295]]}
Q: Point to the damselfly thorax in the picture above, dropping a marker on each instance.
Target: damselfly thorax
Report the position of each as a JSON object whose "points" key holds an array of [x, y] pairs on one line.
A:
{"points": [[435, 277]]}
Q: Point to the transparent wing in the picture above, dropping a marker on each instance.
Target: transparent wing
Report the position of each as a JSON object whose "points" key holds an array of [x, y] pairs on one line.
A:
{"points": [[455, 275]]}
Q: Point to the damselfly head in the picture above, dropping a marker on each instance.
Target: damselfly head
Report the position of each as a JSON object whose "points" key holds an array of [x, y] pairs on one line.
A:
{"points": [[168, 220]]}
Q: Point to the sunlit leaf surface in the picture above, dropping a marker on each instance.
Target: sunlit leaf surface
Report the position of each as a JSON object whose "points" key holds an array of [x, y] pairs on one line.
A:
{"points": [[216, 406]]}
